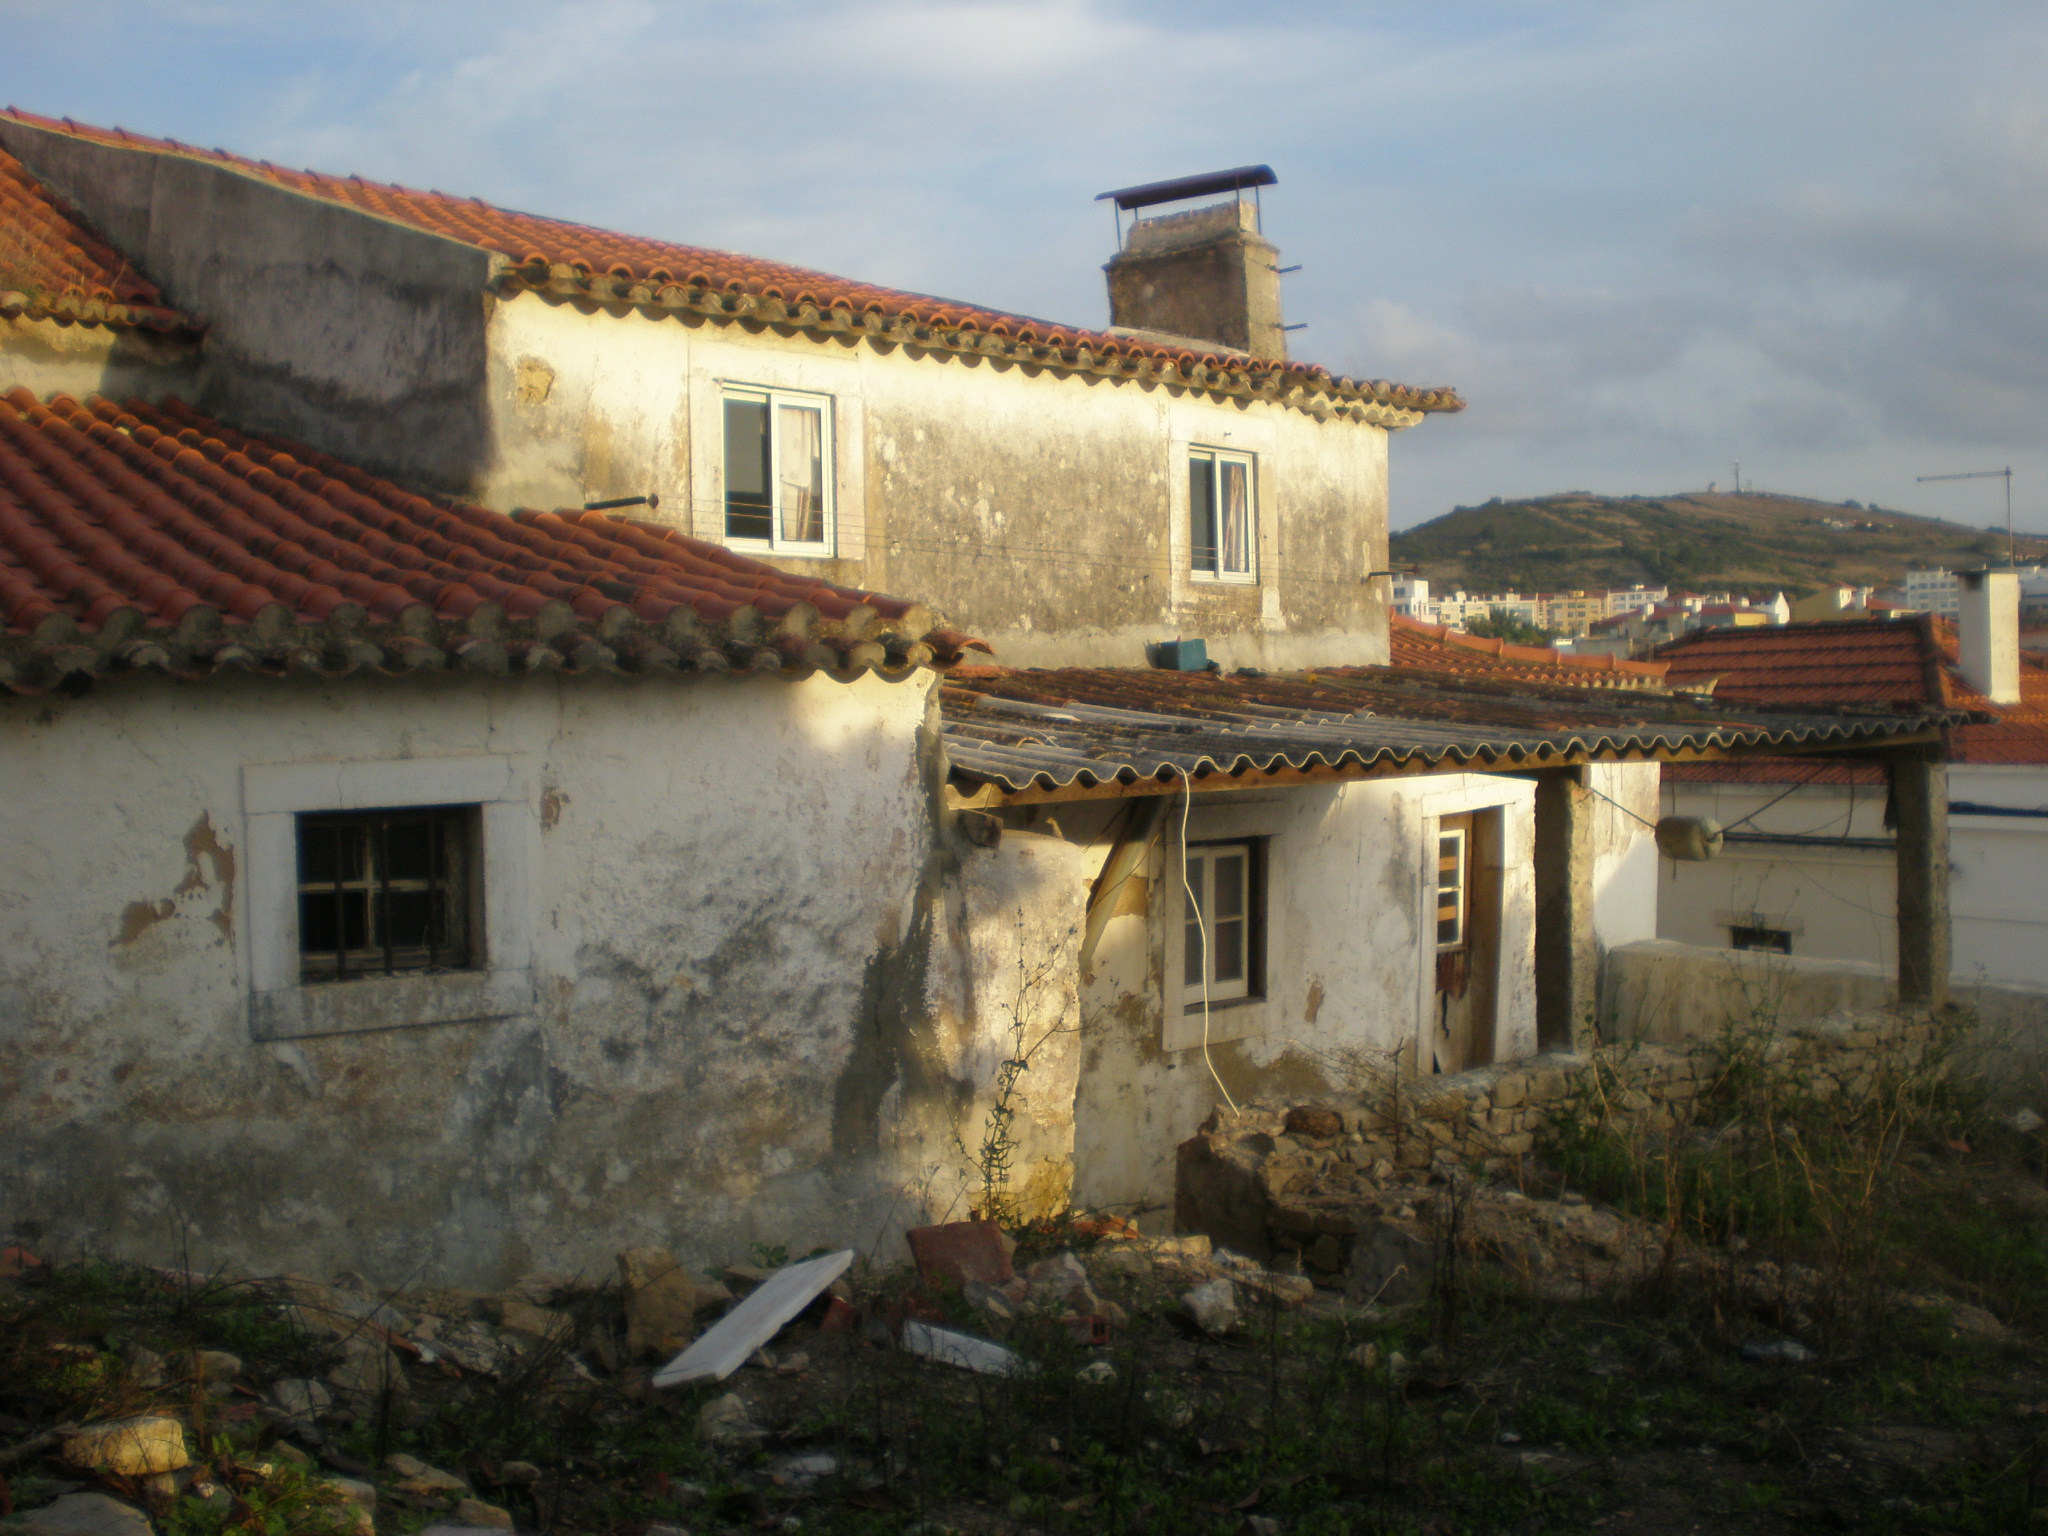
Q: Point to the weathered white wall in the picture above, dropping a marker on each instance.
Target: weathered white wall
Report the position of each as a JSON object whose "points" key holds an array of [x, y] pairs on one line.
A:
{"points": [[1004, 985], [1046, 514], [1626, 808], [1350, 968], [734, 902], [1840, 903]]}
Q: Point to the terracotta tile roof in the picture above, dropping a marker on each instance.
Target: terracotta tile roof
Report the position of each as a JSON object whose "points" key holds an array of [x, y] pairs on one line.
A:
{"points": [[137, 537], [1440, 648], [53, 266], [1086, 731], [1897, 663], [575, 261], [1887, 663]]}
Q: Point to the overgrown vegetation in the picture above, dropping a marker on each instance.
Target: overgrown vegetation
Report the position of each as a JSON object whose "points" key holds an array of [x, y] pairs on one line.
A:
{"points": [[1840, 1332]]}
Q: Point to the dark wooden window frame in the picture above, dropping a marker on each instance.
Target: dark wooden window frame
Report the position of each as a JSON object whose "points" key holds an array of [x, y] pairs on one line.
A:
{"points": [[401, 889]]}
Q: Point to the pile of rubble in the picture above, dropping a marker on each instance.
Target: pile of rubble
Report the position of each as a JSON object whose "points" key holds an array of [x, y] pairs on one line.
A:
{"points": [[1313, 1187], [362, 1358]]}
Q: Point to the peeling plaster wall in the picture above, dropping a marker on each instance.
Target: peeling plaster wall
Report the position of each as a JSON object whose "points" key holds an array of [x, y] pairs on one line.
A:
{"points": [[1046, 514], [734, 902], [1349, 970]]}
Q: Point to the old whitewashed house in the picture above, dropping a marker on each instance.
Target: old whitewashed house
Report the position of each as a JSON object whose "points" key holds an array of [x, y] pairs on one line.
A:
{"points": [[405, 877]]}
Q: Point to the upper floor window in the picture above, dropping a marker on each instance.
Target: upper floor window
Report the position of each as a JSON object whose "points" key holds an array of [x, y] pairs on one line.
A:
{"points": [[1221, 514], [778, 471]]}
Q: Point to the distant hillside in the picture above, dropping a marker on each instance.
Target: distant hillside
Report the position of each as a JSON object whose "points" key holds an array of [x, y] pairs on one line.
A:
{"points": [[1704, 541]]}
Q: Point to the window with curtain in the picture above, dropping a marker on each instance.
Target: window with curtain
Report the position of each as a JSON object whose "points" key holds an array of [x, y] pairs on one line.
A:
{"points": [[778, 471], [1222, 928], [1221, 530]]}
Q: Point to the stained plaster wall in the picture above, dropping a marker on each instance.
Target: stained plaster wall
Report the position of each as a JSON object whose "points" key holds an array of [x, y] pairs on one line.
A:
{"points": [[1349, 970], [1047, 514], [734, 895], [359, 335]]}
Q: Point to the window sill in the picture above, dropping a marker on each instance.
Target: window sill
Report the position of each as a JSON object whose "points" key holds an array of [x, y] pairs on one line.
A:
{"points": [[782, 551], [1204, 579], [1236, 1019], [388, 1002]]}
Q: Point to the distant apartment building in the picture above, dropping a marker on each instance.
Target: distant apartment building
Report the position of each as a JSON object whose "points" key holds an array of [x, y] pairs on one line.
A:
{"points": [[1935, 591]]}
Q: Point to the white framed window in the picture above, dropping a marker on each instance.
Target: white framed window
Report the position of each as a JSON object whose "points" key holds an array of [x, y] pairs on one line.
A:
{"points": [[778, 470], [1222, 515], [1222, 924], [389, 893], [1453, 896]]}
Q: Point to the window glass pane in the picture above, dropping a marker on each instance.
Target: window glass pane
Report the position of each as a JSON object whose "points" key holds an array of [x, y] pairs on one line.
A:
{"points": [[317, 928], [330, 851], [1202, 512], [1235, 556], [409, 915], [409, 849], [1191, 933], [1230, 871], [1226, 943], [800, 451], [748, 503]]}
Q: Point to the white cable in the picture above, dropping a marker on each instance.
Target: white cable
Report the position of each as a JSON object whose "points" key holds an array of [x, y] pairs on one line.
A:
{"points": [[1187, 799]]}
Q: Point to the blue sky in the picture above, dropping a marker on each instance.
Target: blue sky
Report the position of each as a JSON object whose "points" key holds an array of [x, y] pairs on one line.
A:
{"points": [[1645, 239]]}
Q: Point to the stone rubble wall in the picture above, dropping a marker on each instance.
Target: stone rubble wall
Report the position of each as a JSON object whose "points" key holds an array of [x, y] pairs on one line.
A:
{"points": [[1314, 1176]]}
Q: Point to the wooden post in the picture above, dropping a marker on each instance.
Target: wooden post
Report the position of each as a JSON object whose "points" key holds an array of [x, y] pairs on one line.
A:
{"points": [[1919, 808], [1567, 952]]}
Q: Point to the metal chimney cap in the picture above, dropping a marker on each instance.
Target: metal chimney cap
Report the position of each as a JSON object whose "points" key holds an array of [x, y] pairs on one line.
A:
{"points": [[1191, 186]]}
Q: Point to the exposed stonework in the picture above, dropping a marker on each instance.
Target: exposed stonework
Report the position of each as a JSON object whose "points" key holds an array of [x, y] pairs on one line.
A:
{"points": [[1316, 1177]]}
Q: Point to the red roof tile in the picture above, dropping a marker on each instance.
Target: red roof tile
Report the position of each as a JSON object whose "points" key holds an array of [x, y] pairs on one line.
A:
{"points": [[1885, 663], [575, 260], [53, 266], [1440, 648], [134, 535]]}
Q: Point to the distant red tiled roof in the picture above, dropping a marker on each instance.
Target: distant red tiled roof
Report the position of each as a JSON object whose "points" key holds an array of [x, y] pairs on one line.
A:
{"points": [[1440, 648], [1901, 663], [54, 266], [1889, 663], [135, 536], [576, 261]]}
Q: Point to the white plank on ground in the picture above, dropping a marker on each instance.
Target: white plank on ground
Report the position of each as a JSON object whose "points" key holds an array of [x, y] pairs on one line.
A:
{"points": [[725, 1345], [963, 1350]]}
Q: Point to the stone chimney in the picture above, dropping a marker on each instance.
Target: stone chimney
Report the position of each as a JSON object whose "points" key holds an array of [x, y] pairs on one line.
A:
{"points": [[1205, 274], [1988, 624]]}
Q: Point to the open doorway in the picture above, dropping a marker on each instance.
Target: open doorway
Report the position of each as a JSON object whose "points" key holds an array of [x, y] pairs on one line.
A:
{"points": [[1467, 934]]}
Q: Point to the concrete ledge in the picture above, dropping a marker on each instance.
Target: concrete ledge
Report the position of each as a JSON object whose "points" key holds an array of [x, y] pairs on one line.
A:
{"points": [[1671, 993]]}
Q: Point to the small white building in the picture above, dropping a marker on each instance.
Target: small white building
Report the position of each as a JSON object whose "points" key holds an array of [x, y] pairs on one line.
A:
{"points": [[1809, 864]]}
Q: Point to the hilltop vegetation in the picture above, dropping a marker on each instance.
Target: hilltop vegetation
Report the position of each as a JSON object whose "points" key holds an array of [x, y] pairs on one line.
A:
{"points": [[1755, 543]]}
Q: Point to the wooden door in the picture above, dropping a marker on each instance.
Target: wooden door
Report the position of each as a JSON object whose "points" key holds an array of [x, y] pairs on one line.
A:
{"points": [[1467, 938]]}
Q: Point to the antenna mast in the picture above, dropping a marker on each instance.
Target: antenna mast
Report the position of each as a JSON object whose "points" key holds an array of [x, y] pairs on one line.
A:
{"points": [[2012, 554]]}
